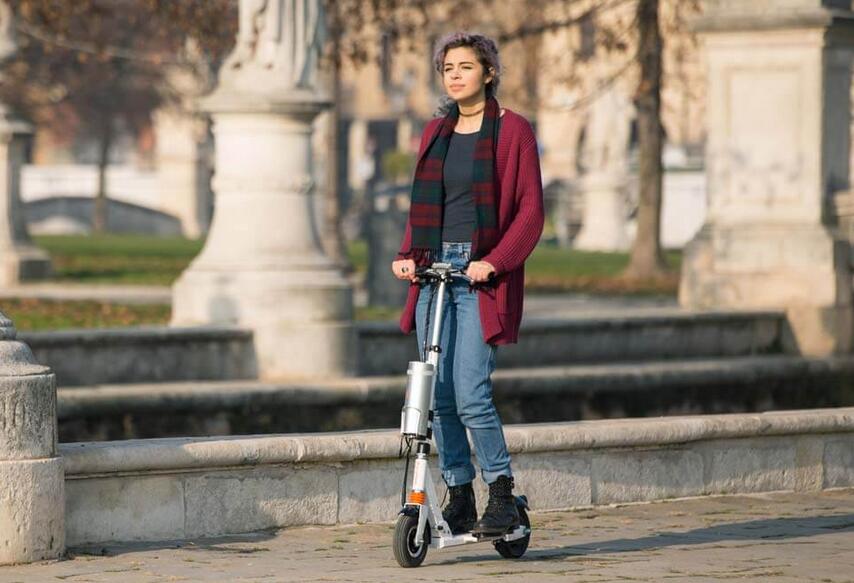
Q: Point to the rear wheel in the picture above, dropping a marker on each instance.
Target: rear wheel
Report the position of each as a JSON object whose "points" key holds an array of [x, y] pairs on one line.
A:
{"points": [[406, 552], [515, 548]]}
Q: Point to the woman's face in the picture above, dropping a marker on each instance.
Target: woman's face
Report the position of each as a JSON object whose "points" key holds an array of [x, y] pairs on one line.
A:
{"points": [[463, 75]]}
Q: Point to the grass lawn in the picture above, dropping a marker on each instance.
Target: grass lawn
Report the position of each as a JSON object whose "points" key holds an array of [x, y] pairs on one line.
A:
{"points": [[119, 259], [32, 314], [550, 269], [141, 260], [553, 270], [125, 259], [104, 259]]}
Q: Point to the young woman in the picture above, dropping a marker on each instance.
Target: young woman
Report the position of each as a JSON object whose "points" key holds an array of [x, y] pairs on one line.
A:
{"points": [[477, 203]]}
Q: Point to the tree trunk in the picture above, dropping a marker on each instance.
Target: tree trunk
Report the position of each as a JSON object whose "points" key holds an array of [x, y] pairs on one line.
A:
{"points": [[99, 218], [647, 260], [332, 238]]}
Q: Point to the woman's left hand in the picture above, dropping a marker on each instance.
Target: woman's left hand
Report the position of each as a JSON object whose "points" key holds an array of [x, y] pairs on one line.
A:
{"points": [[479, 271]]}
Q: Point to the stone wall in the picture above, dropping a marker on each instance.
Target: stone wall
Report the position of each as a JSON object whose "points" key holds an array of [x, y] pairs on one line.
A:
{"points": [[156, 353], [531, 395], [181, 488], [73, 216], [602, 338], [144, 354], [58, 200]]}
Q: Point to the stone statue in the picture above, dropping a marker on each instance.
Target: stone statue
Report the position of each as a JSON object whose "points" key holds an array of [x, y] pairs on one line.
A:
{"points": [[250, 21], [7, 32], [606, 140], [604, 159], [280, 39]]}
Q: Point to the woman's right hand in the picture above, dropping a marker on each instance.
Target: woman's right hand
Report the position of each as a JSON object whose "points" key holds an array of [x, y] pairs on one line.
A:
{"points": [[404, 269]]}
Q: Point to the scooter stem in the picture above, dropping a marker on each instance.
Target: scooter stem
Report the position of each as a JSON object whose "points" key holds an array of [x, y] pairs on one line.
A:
{"points": [[433, 349]]}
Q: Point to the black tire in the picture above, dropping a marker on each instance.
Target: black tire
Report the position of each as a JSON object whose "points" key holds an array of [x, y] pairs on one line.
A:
{"points": [[516, 548], [405, 551]]}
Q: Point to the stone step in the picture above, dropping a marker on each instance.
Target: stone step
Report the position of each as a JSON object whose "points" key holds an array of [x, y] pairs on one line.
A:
{"points": [[604, 337], [162, 354], [539, 394], [144, 354]]}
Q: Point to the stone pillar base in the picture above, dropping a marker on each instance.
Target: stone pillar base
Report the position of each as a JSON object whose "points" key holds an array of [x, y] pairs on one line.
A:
{"points": [[32, 478], [32, 510], [20, 260], [23, 263], [801, 269], [262, 266], [603, 227], [301, 318]]}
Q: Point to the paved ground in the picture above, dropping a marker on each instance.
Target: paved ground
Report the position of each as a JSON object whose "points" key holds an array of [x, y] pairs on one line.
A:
{"points": [[576, 304], [123, 294], [795, 538]]}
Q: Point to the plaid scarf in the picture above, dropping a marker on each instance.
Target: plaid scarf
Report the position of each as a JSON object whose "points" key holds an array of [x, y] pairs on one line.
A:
{"points": [[425, 212]]}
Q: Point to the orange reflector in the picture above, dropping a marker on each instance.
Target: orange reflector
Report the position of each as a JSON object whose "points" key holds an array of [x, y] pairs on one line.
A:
{"points": [[416, 498]]}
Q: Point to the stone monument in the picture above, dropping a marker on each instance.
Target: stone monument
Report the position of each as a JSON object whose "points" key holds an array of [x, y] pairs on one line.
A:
{"points": [[262, 266], [20, 260], [604, 182], [32, 495], [779, 78]]}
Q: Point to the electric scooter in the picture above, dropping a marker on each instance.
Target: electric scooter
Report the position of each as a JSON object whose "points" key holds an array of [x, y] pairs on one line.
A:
{"points": [[420, 524]]}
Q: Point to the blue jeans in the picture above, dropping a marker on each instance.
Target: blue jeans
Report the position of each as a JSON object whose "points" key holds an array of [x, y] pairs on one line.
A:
{"points": [[463, 398]]}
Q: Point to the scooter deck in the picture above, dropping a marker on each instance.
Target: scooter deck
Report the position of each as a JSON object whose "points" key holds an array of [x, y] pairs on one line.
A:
{"points": [[444, 541]]}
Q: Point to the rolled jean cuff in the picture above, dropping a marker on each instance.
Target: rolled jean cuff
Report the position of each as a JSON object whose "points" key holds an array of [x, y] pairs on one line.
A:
{"points": [[490, 477], [458, 476]]}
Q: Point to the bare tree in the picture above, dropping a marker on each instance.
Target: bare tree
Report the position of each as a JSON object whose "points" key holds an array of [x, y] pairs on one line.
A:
{"points": [[647, 260], [97, 67]]}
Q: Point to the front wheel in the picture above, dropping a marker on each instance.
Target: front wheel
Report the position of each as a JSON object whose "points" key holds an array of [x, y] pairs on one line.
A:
{"points": [[514, 549], [407, 553]]}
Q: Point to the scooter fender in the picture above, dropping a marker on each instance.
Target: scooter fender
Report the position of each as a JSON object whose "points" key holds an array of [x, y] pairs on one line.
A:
{"points": [[522, 502], [409, 511]]}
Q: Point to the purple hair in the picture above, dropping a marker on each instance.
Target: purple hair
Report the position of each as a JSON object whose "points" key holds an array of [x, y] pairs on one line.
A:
{"points": [[486, 51]]}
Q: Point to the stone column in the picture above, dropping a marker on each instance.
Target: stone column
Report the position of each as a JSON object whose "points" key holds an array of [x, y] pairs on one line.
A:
{"points": [[778, 144], [185, 147], [262, 266], [183, 172], [32, 481], [20, 260]]}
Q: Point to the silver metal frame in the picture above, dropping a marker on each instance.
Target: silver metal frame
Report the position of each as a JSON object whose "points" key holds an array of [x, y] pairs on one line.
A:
{"points": [[422, 481]]}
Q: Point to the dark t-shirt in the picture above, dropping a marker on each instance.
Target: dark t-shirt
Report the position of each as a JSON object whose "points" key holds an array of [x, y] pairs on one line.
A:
{"points": [[458, 213]]}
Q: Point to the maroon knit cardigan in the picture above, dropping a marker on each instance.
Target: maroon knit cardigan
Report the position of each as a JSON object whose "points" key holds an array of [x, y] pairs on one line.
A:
{"points": [[520, 224]]}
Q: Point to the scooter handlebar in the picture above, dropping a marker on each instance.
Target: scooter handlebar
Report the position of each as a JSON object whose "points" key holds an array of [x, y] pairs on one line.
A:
{"points": [[444, 272], [439, 272]]}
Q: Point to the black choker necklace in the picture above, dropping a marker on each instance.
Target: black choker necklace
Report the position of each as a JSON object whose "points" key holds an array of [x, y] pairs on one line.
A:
{"points": [[471, 114]]}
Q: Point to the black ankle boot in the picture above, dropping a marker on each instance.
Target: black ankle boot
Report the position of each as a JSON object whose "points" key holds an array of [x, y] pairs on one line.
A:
{"points": [[501, 514], [461, 512]]}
